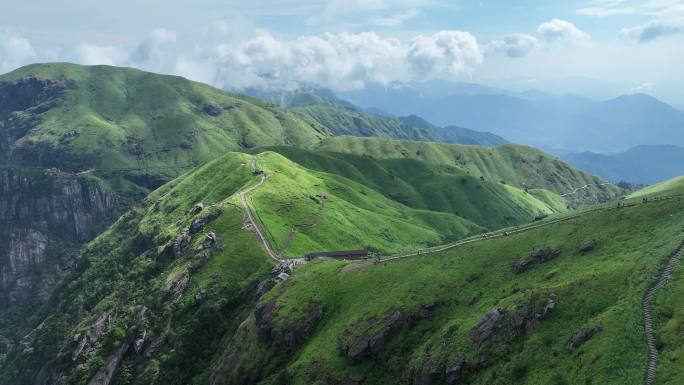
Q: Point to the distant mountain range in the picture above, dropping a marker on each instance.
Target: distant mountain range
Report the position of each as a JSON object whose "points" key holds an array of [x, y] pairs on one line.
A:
{"points": [[344, 118], [641, 164], [556, 123]]}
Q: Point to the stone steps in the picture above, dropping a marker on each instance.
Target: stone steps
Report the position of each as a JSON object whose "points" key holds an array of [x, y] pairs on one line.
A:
{"points": [[660, 281]]}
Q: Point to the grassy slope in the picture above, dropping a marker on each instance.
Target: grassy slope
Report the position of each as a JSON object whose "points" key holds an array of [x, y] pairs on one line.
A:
{"points": [[659, 188], [121, 269], [130, 118], [345, 120], [510, 164], [341, 117], [604, 287], [668, 306], [124, 268], [454, 134], [441, 188], [305, 210], [149, 128]]}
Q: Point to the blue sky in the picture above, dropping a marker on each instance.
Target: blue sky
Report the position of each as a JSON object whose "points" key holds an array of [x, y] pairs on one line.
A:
{"points": [[596, 47]]}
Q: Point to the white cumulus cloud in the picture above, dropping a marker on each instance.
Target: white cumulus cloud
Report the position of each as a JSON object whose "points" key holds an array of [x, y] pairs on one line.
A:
{"points": [[515, 46], [153, 49], [396, 19], [444, 54], [15, 50], [342, 61], [652, 30], [644, 87], [558, 30], [155, 53], [94, 54]]}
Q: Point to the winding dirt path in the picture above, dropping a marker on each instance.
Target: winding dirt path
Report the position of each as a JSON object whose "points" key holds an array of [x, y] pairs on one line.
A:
{"points": [[518, 230], [250, 216], [576, 190], [662, 279], [482, 238]]}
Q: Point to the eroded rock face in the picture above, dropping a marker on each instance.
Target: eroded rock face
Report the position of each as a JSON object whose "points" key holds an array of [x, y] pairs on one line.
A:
{"points": [[293, 333], [98, 326], [82, 345], [139, 342], [198, 224], [427, 375], [357, 346], [33, 204], [26, 250], [589, 246], [536, 256], [454, 373], [22, 102], [501, 327], [182, 241], [583, 336], [491, 338], [29, 91], [368, 337], [72, 206], [28, 271], [105, 374], [486, 327], [212, 110]]}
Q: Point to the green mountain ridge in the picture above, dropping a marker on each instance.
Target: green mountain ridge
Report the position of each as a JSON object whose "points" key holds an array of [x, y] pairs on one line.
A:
{"points": [[179, 289], [515, 165], [347, 119], [641, 164], [468, 316], [440, 188], [82, 117], [172, 293], [455, 134], [81, 144]]}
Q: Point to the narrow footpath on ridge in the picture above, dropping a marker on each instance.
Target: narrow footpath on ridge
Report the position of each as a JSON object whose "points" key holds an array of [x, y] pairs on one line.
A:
{"points": [[261, 233], [576, 190], [659, 282], [250, 217]]}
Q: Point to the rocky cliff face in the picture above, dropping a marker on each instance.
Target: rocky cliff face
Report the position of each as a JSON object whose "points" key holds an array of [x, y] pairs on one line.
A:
{"points": [[27, 249], [22, 103], [50, 201], [45, 215]]}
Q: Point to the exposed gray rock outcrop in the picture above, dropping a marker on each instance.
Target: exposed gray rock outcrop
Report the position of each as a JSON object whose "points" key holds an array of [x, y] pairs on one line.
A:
{"points": [[357, 347], [536, 256], [198, 224], [72, 206], [454, 373], [501, 327], [583, 336], [485, 328], [139, 342], [71, 209], [427, 375], [26, 250], [21, 103], [294, 333], [589, 246], [90, 338], [105, 374], [182, 241]]}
